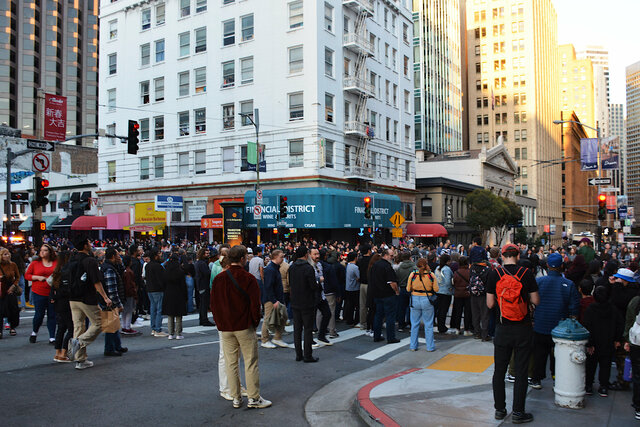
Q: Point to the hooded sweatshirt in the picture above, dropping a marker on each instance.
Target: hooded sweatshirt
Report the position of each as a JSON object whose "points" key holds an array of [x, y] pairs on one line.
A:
{"points": [[605, 326], [404, 270]]}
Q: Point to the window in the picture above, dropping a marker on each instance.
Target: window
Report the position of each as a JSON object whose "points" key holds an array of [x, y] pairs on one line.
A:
{"points": [[113, 29], [525, 190], [347, 111], [296, 106], [407, 104], [427, 207], [479, 120], [296, 153], [479, 138], [111, 99], [200, 79], [201, 120], [328, 62], [295, 59], [111, 130], [144, 92], [405, 33], [184, 41], [183, 164], [247, 27], [144, 130], [183, 123], [201, 39], [328, 17], [228, 157], [183, 83], [328, 153], [524, 154], [516, 136], [228, 74], [146, 19], [228, 32], [516, 155], [328, 107], [144, 168], [405, 67], [160, 16], [111, 171], [201, 6], [246, 70], [160, 50], [246, 112], [113, 63], [524, 134], [185, 8], [523, 117], [523, 172], [201, 162], [145, 54], [158, 85], [295, 14], [158, 128], [158, 166], [394, 95], [228, 117]]}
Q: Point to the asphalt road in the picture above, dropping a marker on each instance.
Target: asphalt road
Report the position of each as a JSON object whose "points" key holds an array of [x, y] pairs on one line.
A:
{"points": [[157, 384]]}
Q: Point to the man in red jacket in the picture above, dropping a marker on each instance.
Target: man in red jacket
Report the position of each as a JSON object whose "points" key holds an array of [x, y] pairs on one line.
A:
{"points": [[235, 303]]}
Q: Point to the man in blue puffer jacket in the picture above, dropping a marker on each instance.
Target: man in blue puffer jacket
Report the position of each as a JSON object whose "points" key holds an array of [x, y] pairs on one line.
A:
{"points": [[559, 299]]}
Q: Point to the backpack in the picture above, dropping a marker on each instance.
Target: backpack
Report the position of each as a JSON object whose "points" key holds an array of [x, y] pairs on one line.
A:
{"points": [[508, 290], [73, 278], [478, 279]]}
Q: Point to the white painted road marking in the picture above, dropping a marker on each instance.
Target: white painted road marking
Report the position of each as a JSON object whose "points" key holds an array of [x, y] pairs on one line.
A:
{"points": [[195, 345], [384, 350]]}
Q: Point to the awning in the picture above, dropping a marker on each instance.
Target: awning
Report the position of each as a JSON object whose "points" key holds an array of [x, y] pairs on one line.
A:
{"points": [[145, 227], [66, 222], [117, 221], [87, 222], [49, 220], [426, 230]]}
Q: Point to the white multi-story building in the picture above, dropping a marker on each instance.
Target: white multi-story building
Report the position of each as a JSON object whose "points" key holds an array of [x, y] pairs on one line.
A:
{"points": [[331, 80]]}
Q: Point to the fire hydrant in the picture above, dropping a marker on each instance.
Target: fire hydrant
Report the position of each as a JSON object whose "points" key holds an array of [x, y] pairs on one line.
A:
{"points": [[570, 339]]}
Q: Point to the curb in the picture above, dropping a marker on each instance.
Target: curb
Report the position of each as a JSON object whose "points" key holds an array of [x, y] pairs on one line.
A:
{"points": [[370, 413]]}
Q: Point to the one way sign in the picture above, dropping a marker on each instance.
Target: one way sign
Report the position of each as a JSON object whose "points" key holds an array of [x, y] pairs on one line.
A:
{"points": [[599, 181], [37, 144]]}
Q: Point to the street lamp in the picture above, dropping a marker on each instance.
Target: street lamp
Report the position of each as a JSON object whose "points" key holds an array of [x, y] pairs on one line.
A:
{"points": [[255, 121]]}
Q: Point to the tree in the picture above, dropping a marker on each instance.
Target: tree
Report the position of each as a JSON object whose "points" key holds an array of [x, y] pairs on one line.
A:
{"points": [[521, 236], [511, 215], [484, 210]]}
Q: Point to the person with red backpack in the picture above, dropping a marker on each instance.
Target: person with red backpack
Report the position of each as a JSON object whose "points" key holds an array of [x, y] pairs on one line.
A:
{"points": [[512, 289]]}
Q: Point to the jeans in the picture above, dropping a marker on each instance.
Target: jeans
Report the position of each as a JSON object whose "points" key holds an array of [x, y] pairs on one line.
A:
{"points": [[190, 287], [403, 305], [112, 342], [542, 347], [634, 355], [422, 309], [385, 308], [155, 307], [518, 339], [444, 301], [43, 304], [287, 301], [23, 300]]}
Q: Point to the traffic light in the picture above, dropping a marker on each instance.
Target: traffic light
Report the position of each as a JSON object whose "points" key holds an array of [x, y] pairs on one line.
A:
{"points": [[41, 191], [283, 207], [367, 207], [132, 137], [602, 207], [21, 196]]}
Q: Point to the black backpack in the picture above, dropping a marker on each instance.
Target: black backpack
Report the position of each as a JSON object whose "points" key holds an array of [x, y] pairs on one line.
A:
{"points": [[73, 278], [478, 279]]}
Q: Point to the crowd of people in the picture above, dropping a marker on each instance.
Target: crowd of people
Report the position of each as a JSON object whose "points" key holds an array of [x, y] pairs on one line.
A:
{"points": [[513, 296]]}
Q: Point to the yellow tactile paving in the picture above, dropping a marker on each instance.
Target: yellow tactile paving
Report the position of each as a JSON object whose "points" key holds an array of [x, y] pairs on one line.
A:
{"points": [[462, 363]]}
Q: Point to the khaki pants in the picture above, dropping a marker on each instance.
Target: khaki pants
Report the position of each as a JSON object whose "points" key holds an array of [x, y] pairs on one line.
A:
{"points": [[245, 342], [79, 312], [277, 334], [363, 305]]}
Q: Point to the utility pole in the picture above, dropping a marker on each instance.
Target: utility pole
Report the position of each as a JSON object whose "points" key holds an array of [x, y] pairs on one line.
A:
{"points": [[8, 201], [255, 121]]}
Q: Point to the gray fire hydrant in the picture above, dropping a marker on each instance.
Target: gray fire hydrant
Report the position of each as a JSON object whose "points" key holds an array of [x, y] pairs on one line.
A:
{"points": [[570, 339]]}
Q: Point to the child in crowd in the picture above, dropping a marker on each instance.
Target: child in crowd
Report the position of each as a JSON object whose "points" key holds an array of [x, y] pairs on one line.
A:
{"points": [[586, 289]]}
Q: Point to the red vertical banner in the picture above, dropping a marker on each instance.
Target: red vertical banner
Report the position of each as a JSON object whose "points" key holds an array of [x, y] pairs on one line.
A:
{"points": [[612, 203], [55, 117]]}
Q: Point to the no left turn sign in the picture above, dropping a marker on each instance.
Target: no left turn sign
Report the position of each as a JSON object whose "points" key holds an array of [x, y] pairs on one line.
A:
{"points": [[40, 162], [257, 212]]}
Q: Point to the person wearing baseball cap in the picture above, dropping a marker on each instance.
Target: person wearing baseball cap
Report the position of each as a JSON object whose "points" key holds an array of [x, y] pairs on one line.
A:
{"points": [[623, 289], [559, 299], [512, 336]]}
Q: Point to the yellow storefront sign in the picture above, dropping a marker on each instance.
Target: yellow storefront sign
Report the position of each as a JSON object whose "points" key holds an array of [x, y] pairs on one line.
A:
{"points": [[146, 213]]}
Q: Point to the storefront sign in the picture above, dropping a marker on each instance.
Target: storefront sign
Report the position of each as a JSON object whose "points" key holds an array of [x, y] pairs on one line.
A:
{"points": [[196, 212], [168, 203], [146, 213], [233, 223]]}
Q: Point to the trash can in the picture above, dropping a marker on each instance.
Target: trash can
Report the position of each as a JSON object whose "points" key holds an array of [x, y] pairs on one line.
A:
{"points": [[570, 338]]}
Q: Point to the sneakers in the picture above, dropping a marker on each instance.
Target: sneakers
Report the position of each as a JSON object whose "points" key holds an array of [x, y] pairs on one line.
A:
{"points": [[334, 335], [74, 346], [269, 344], [521, 417], [257, 403], [226, 396], [510, 378], [237, 403], [32, 339], [535, 384], [84, 365], [602, 391], [159, 334], [637, 415], [452, 331], [280, 343], [61, 359], [170, 337], [369, 333], [500, 414], [467, 333], [179, 337], [325, 341], [588, 390]]}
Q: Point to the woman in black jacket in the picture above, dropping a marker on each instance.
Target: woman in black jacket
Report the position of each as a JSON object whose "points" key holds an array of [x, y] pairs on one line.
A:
{"points": [[174, 303], [60, 300], [203, 277]]}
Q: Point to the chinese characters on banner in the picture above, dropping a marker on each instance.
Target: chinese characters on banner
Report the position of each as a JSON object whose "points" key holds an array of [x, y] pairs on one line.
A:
{"points": [[55, 117]]}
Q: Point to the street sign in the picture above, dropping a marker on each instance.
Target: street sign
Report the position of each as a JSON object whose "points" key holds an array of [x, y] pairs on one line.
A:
{"points": [[21, 196], [36, 144], [40, 162], [396, 219], [259, 197], [599, 181], [626, 229], [168, 203], [396, 232], [616, 224], [610, 190], [257, 212]]}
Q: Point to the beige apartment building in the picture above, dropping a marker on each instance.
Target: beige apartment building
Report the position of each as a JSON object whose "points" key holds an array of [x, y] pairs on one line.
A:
{"points": [[577, 92], [514, 94]]}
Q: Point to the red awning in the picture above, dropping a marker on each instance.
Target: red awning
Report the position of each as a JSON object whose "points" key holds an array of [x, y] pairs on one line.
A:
{"points": [[426, 230], [87, 222]]}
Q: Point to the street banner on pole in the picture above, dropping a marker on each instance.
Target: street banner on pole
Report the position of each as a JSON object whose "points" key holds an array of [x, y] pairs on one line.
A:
{"points": [[611, 203], [610, 150], [55, 117], [622, 207], [589, 154], [251, 157]]}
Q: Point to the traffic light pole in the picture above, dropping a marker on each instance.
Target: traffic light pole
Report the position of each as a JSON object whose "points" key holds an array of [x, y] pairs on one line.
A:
{"points": [[11, 156], [255, 121]]}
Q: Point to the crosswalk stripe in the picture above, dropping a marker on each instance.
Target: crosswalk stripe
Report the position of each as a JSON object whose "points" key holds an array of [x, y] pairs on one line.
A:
{"points": [[384, 350], [194, 345]]}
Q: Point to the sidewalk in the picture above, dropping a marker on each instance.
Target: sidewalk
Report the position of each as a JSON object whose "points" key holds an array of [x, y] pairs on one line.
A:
{"points": [[454, 389]]}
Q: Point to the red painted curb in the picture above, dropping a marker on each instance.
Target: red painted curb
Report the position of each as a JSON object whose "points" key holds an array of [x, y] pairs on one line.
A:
{"points": [[365, 401]]}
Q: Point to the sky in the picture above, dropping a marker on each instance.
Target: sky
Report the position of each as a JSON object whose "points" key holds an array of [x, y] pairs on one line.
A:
{"points": [[612, 24]]}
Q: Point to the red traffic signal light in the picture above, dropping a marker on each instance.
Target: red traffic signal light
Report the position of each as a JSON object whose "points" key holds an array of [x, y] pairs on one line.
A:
{"points": [[602, 198], [132, 137], [44, 183], [367, 199], [367, 207]]}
